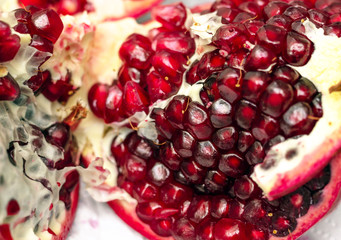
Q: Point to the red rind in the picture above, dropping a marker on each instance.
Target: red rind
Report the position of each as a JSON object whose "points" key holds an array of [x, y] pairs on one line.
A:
{"points": [[328, 198], [126, 211]]}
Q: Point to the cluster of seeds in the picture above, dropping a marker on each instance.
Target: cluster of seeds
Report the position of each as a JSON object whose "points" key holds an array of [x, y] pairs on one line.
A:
{"points": [[195, 182]]}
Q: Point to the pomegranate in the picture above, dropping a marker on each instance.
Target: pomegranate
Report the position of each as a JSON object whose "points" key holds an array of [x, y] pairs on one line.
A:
{"points": [[206, 116]]}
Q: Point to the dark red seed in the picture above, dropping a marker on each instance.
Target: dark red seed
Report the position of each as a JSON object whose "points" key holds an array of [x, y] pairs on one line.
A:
{"points": [[136, 51], [9, 88], [230, 229], [296, 120], [275, 8], [264, 128], [333, 29], [276, 98], [97, 97], [199, 209], [227, 14], [255, 154], [169, 156], [158, 173], [169, 65], [9, 47], [42, 44], [196, 121], [162, 227], [220, 113], [286, 74], [174, 194], [251, 7], [171, 16], [146, 210], [254, 83], [225, 138], [297, 49], [134, 168], [176, 109], [304, 90], [144, 191], [127, 73], [245, 140], [232, 164], [281, 21], [297, 203], [135, 99], [243, 17], [206, 154], [139, 146], [47, 24], [245, 114], [158, 87], [215, 181], [317, 106], [183, 229], [161, 123], [13, 208], [209, 63], [260, 58], [58, 134], [245, 188], [193, 171], [295, 13], [229, 82], [5, 30], [184, 143], [220, 206], [271, 36], [319, 17], [192, 75], [113, 104], [230, 37], [205, 231], [282, 223], [175, 42], [258, 213]]}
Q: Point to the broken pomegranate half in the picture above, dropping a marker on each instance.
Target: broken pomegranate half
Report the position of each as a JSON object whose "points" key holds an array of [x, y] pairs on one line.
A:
{"points": [[226, 122]]}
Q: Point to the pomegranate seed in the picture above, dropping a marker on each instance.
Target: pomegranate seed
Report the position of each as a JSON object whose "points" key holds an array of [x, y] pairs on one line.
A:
{"points": [[282, 224], [169, 156], [254, 83], [225, 138], [220, 206], [184, 143], [230, 229], [158, 173], [222, 4], [37, 82], [60, 90], [264, 128], [296, 119], [47, 24], [174, 194], [245, 140], [193, 172], [317, 106], [209, 63], [304, 90], [244, 188], [230, 37], [295, 13], [113, 104], [271, 36], [42, 44], [229, 82], [255, 154], [243, 17], [162, 227], [245, 114], [272, 142], [9, 88], [276, 98], [139, 146], [227, 14], [333, 29], [192, 75], [232, 164], [257, 212], [169, 65], [144, 191], [135, 99], [146, 210], [274, 9], [13, 208], [171, 16], [161, 123], [215, 182], [220, 113], [199, 209], [252, 28], [183, 229], [176, 109], [5, 30], [286, 74], [97, 96], [205, 154], [197, 122], [281, 21], [58, 134], [136, 51], [335, 18], [260, 57], [237, 59], [127, 74], [174, 42], [319, 17], [9, 47], [333, 8], [251, 7], [134, 168], [296, 203], [297, 49], [204, 230], [158, 87]]}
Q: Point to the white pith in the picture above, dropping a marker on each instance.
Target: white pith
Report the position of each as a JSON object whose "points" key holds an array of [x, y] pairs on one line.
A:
{"points": [[323, 69]]}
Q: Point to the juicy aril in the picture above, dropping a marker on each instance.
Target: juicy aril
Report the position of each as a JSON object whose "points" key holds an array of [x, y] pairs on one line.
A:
{"points": [[226, 122]]}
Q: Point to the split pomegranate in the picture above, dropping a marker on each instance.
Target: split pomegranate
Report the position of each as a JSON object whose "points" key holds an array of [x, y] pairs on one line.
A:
{"points": [[225, 124]]}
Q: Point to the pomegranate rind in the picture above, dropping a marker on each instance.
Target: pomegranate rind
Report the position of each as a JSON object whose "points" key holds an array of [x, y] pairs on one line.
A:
{"points": [[70, 215], [328, 198], [126, 211]]}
